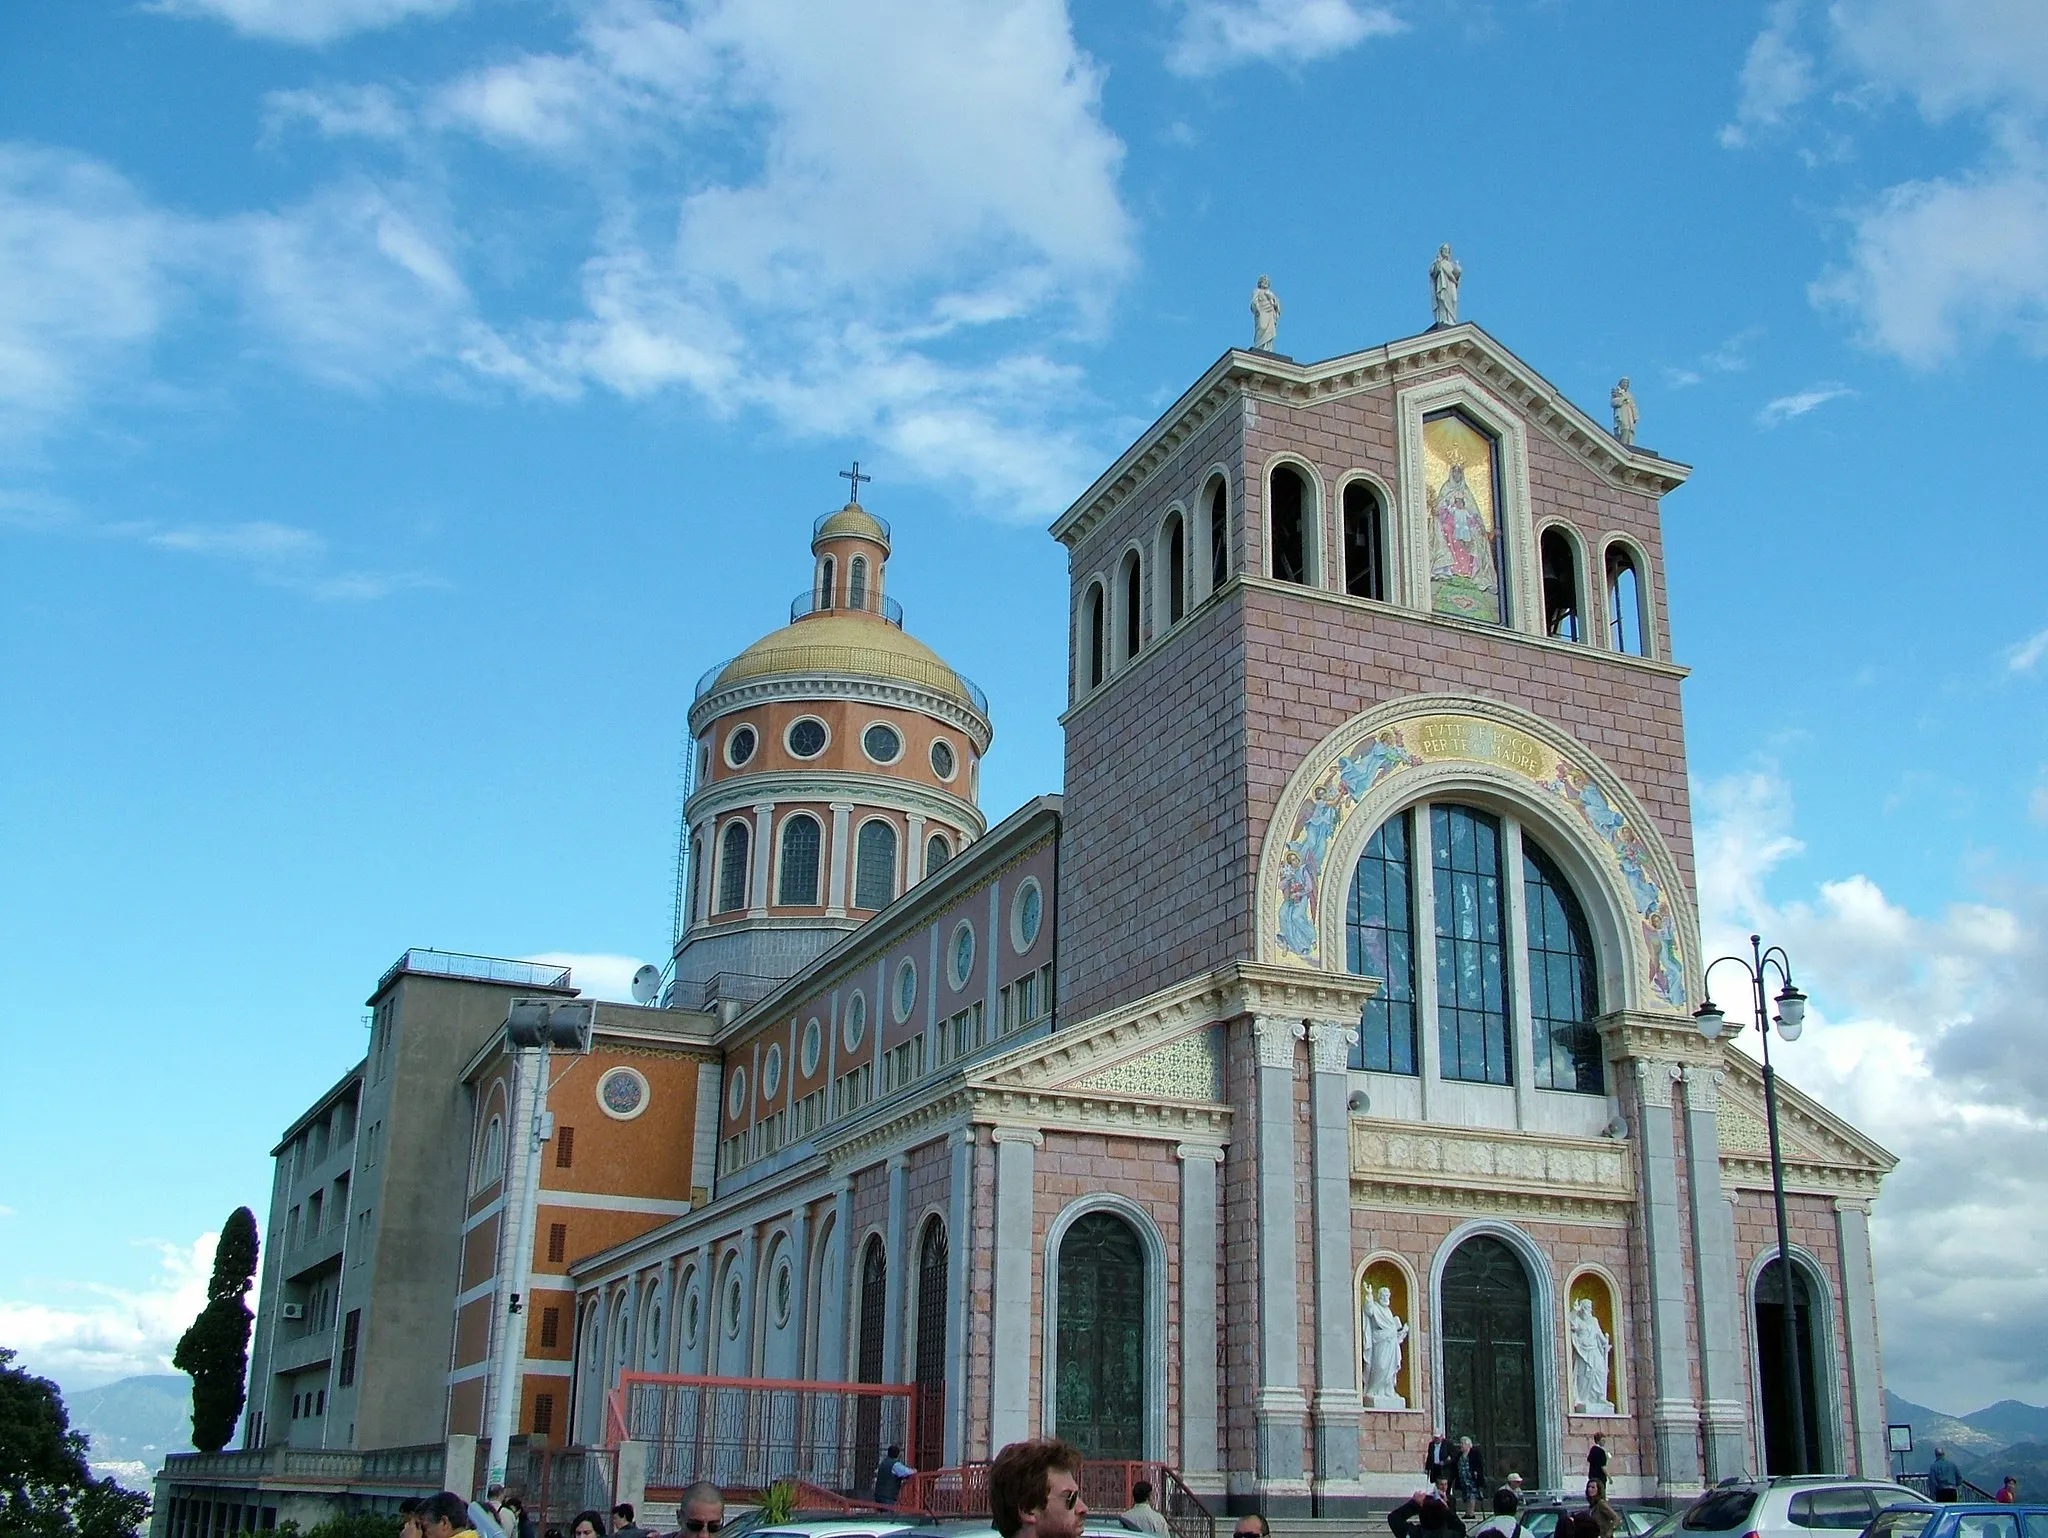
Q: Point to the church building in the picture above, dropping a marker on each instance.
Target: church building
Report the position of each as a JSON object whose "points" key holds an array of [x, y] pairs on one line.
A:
{"points": [[1318, 1070]]}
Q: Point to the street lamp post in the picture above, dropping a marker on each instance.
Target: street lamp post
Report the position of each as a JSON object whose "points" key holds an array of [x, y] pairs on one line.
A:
{"points": [[1790, 1020]]}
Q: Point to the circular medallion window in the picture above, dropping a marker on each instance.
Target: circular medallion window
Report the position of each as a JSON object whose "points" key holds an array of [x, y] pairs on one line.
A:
{"points": [[733, 1304], [906, 988], [739, 747], [943, 761], [806, 738], [771, 1072], [813, 1046], [882, 742], [622, 1093], [961, 953], [854, 1030], [736, 1095], [1027, 912], [785, 1294]]}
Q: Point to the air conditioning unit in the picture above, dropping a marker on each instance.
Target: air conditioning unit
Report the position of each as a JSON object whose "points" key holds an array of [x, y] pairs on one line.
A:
{"points": [[295, 1310]]}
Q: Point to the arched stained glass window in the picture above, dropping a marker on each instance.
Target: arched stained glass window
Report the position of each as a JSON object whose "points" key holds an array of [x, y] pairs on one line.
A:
{"points": [[857, 583], [936, 853], [732, 867], [1380, 939], [797, 885], [1563, 994], [874, 877], [1471, 948]]}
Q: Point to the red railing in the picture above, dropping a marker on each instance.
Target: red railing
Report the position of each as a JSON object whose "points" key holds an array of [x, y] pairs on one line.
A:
{"points": [[1107, 1486], [744, 1434]]}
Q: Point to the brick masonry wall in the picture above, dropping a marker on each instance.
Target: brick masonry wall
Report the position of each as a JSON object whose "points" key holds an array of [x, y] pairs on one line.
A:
{"points": [[1810, 1220]]}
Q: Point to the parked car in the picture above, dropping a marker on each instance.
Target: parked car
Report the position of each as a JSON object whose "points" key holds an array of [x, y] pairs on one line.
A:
{"points": [[1791, 1507], [1541, 1514], [875, 1526], [1960, 1519]]}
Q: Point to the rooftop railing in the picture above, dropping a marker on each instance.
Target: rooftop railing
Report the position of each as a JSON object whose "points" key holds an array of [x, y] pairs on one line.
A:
{"points": [[808, 603], [477, 969]]}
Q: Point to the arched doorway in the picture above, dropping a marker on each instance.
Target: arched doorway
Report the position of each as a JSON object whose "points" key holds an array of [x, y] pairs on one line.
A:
{"points": [[1101, 1340], [874, 1310], [1489, 1346], [930, 1451], [1773, 1379]]}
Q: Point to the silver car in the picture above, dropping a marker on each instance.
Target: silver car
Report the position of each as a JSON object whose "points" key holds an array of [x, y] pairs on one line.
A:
{"points": [[1791, 1507]]}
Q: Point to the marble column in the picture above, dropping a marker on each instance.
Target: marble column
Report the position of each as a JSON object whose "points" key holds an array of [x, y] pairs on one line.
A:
{"points": [[959, 1269], [901, 1262], [800, 1281], [764, 854], [832, 1359], [1717, 1289], [1338, 1407], [1867, 1455], [835, 893], [1278, 1407], [1009, 1375], [1200, 1428], [913, 850], [1674, 1416], [707, 1309]]}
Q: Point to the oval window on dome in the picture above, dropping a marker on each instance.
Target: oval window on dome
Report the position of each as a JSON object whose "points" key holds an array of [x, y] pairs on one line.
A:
{"points": [[882, 743], [943, 761], [806, 738], [739, 747]]}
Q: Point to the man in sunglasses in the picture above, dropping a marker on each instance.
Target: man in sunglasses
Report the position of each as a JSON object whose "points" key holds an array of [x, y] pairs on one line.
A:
{"points": [[1034, 1490], [702, 1509]]}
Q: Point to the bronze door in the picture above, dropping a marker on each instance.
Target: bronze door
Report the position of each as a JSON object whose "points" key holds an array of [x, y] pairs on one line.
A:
{"points": [[1101, 1404], [1489, 1349]]}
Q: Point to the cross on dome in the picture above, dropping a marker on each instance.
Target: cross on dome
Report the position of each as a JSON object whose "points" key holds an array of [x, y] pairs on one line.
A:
{"points": [[856, 477]]}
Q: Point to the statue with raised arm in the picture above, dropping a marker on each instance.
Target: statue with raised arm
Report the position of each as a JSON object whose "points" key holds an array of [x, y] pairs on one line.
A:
{"points": [[1444, 275], [1591, 1349], [1624, 402], [1384, 1334], [1265, 316]]}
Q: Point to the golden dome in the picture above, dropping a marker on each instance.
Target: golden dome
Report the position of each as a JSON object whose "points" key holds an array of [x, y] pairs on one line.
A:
{"points": [[851, 522], [850, 643]]}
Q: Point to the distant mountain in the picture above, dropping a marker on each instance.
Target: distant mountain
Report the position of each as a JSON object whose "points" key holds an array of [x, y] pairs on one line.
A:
{"points": [[2005, 1438], [1965, 1442], [2010, 1421], [2028, 1461], [134, 1423]]}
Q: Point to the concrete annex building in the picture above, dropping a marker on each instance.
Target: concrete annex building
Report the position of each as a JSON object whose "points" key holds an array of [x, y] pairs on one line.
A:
{"points": [[1359, 954]]}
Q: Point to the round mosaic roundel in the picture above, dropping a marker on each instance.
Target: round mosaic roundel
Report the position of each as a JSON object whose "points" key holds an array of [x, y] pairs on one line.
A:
{"points": [[622, 1093]]}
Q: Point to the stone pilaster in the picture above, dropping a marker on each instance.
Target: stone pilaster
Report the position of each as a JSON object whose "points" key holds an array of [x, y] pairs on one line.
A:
{"points": [[764, 855], [800, 1324], [832, 1363], [1278, 1408], [959, 1267], [1716, 1288], [1337, 1404], [1009, 1416], [895, 1291], [835, 893], [1200, 1428], [1867, 1453], [913, 850], [1674, 1416]]}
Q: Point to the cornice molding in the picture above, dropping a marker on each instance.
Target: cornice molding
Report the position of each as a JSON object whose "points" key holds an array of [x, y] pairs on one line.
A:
{"points": [[804, 688], [1470, 1168], [876, 790]]}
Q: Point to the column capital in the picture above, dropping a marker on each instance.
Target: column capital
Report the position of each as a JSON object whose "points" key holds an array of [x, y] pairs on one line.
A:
{"points": [[1654, 1080], [1276, 1039], [1703, 1085], [899, 1161], [1329, 1044], [840, 806], [763, 808], [1852, 1204], [1200, 1153], [1028, 1135]]}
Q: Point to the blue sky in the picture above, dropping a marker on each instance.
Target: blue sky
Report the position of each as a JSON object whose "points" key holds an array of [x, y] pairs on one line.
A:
{"points": [[403, 401]]}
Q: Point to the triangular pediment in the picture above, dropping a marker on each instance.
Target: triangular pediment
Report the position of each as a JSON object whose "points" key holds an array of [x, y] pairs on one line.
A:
{"points": [[1820, 1150], [1168, 1046]]}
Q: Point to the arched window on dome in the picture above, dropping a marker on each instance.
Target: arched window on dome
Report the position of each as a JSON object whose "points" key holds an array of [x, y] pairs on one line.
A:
{"points": [[857, 583], [874, 866], [828, 576], [936, 853], [732, 867], [696, 864], [1096, 637], [797, 884]]}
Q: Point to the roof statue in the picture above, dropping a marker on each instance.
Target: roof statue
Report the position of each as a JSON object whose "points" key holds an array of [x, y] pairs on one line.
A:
{"points": [[1625, 414], [1265, 315], [1444, 276]]}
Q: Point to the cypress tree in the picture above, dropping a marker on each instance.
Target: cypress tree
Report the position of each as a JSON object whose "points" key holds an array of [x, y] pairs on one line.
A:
{"points": [[215, 1350]]}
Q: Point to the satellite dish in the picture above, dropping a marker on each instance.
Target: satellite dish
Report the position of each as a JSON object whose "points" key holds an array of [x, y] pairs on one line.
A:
{"points": [[646, 984]]}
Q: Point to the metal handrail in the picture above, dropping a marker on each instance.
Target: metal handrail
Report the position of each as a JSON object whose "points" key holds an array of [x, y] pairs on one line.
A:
{"points": [[479, 969], [808, 603]]}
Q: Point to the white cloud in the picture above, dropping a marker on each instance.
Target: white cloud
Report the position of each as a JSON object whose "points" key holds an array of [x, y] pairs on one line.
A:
{"points": [[305, 21], [2027, 655], [93, 1333], [1215, 35], [1935, 263], [1950, 55], [1777, 75], [82, 285], [1799, 402], [1923, 1033], [597, 974], [361, 111]]}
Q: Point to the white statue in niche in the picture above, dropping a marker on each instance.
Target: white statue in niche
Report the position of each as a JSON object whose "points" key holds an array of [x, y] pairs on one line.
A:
{"points": [[1591, 1350], [1623, 400], [1265, 316], [1444, 276], [1384, 1334]]}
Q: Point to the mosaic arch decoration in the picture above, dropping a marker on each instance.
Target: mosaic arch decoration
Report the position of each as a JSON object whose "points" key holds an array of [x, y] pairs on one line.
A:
{"points": [[1382, 754]]}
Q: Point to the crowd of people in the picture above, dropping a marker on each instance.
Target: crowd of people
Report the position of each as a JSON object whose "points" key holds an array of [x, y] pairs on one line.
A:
{"points": [[1456, 1475]]}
